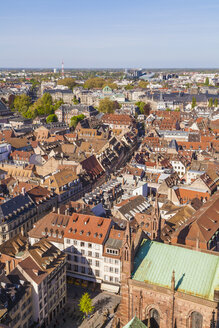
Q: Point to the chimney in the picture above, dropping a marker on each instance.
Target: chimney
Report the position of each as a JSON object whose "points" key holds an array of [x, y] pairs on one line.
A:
{"points": [[23, 191], [58, 210], [7, 267], [67, 211], [173, 281], [16, 247], [170, 194], [13, 264], [22, 231], [54, 209]]}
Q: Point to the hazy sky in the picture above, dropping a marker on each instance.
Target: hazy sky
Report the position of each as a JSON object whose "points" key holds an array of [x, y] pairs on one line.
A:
{"points": [[110, 33]]}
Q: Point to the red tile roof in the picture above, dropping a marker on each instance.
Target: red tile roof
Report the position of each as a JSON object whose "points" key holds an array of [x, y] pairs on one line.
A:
{"points": [[88, 228]]}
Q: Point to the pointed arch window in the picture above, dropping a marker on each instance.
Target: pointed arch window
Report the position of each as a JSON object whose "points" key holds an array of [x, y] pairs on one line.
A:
{"points": [[196, 320]]}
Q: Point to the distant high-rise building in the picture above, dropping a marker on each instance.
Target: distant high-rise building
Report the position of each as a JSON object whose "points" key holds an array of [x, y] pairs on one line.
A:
{"points": [[63, 69], [55, 70]]}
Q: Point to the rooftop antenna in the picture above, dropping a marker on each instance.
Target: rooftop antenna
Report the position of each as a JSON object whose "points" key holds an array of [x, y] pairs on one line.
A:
{"points": [[62, 69]]}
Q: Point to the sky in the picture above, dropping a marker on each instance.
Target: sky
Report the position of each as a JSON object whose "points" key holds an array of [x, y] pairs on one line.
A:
{"points": [[110, 33]]}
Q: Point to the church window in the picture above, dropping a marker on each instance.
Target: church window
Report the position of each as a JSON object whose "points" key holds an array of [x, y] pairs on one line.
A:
{"points": [[153, 320], [196, 320]]}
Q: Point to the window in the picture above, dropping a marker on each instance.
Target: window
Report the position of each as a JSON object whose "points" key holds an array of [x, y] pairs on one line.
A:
{"points": [[97, 263], [106, 278], [68, 241], [89, 245], [82, 269], [90, 261], [97, 255], [110, 269], [75, 242], [89, 253], [116, 270], [154, 319], [82, 252], [76, 268], [196, 320], [111, 279], [90, 272], [82, 244], [97, 273], [106, 269]]}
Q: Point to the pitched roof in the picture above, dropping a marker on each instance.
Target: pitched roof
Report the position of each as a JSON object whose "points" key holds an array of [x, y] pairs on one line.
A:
{"points": [[135, 323], [204, 223], [19, 204], [52, 226], [196, 273], [89, 228], [61, 178], [92, 166]]}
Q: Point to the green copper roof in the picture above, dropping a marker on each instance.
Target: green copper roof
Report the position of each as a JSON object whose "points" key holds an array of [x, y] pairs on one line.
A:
{"points": [[196, 273], [135, 323]]}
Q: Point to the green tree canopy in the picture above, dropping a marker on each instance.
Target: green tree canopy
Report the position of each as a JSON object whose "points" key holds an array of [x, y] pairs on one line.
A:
{"points": [[193, 102], [76, 119], [95, 82], [107, 106], [112, 85], [129, 87], [143, 84], [210, 102], [207, 81], [143, 107], [22, 103], [68, 82], [44, 105], [85, 304], [216, 102], [52, 118], [75, 101]]}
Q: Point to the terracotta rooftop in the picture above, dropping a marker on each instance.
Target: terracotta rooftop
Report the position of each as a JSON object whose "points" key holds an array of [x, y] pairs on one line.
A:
{"points": [[88, 228]]}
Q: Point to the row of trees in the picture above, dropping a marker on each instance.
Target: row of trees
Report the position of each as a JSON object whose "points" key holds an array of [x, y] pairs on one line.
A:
{"points": [[211, 102], [68, 82], [99, 83], [43, 106]]}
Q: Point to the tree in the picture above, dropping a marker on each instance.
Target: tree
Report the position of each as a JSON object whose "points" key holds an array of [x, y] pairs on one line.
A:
{"points": [[44, 105], [207, 81], [75, 101], [52, 118], [106, 106], [75, 119], [215, 102], [147, 109], [95, 82], [143, 107], [85, 304], [68, 82], [22, 103], [11, 99], [143, 84], [193, 102], [129, 87], [210, 102]]}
